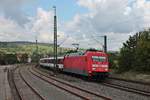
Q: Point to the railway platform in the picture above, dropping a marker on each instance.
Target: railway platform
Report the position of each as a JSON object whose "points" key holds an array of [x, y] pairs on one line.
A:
{"points": [[5, 91]]}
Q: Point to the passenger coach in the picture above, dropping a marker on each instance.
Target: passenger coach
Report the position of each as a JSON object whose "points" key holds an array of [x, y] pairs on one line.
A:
{"points": [[49, 62]]}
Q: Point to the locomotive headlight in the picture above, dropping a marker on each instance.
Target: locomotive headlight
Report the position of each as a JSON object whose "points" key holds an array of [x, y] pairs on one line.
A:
{"points": [[94, 65], [104, 65], [106, 69], [93, 68]]}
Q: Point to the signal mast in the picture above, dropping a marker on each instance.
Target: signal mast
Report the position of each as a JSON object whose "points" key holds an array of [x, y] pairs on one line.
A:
{"points": [[55, 40]]}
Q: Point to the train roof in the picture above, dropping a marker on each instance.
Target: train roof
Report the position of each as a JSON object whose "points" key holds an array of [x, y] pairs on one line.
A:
{"points": [[80, 53]]}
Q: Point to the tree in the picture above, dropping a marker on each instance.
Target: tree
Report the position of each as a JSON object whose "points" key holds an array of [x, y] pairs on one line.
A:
{"points": [[135, 53], [113, 59], [126, 58], [143, 52]]}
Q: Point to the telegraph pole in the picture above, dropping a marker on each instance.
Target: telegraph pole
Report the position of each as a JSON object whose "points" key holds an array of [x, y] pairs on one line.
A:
{"points": [[37, 51], [55, 40], [105, 43]]}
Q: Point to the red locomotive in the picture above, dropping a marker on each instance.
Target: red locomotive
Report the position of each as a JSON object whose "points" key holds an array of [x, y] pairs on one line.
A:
{"points": [[89, 63]]}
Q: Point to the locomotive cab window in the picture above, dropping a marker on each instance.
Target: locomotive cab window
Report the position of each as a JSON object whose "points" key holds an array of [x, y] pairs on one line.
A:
{"points": [[99, 58]]}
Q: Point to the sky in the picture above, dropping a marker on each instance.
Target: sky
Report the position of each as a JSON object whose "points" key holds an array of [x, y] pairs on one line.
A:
{"points": [[79, 21]]}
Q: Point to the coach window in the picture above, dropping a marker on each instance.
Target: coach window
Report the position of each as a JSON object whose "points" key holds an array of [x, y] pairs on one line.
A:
{"points": [[49, 61]]}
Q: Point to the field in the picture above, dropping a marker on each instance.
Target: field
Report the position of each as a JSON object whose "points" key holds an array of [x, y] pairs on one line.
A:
{"points": [[23, 50], [28, 48]]}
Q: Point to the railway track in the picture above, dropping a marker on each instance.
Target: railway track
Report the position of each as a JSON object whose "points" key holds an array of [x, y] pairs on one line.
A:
{"points": [[14, 90], [131, 81], [34, 90], [75, 90], [28, 93], [129, 88]]}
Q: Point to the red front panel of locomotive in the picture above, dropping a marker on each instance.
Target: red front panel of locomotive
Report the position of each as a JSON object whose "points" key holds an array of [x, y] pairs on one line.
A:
{"points": [[98, 62]]}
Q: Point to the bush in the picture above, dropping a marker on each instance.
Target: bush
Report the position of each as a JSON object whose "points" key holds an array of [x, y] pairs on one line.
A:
{"points": [[135, 53], [113, 60]]}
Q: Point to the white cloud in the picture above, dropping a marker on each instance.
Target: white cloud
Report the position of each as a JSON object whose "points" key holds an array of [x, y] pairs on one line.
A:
{"points": [[12, 9], [120, 17], [42, 21], [115, 18], [40, 26], [10, 30]]}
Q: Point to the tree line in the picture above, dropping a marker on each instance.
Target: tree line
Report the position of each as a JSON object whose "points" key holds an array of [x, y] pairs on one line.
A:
{"points": [[135, 53], [9, 58]]}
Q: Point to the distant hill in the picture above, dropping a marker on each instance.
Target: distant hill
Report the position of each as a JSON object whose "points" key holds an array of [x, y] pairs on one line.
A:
{"points": [[25, 47], [10, 52], [19, 43]]}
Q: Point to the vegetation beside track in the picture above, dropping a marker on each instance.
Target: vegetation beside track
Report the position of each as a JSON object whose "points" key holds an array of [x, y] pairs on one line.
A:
{"points": [[132, 75], [135, 53], [20, 52], [133, 60], [134, 56]]}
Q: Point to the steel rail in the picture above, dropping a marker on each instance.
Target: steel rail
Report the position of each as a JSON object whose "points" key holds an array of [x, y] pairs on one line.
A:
{"points": [[68, 84], [132, 81], [10, 72], [27, 83], [128, 89], [76, 94]]}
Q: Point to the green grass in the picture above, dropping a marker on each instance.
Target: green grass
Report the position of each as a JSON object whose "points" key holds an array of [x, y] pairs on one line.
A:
{"points": [[30, 49], [132, 75]]}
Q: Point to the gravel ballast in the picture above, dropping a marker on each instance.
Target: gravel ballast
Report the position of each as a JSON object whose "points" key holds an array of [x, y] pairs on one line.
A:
{"points": [[113, 93]]}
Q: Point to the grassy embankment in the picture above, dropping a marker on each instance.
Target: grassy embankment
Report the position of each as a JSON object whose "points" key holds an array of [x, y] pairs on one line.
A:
{"points": [[19, 52]]}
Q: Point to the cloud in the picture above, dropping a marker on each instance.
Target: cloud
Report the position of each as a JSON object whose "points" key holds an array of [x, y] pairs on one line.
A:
{"points": [[114, 18], [115, 15], [9, 30], [13, 9], [40, 26]]}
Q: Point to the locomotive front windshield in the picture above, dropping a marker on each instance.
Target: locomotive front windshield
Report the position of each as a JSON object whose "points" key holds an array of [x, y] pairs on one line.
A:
{"points": [[99, 58]]}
